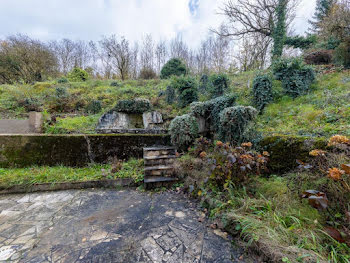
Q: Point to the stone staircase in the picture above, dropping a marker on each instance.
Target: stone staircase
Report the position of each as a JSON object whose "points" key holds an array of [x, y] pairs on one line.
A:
{"points": [[159, 169]]}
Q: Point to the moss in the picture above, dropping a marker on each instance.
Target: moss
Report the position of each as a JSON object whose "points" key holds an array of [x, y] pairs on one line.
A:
{"points": [[285, 150], [72, 150]]}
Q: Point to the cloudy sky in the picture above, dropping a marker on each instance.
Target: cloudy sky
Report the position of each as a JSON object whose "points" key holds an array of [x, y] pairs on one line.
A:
{"points": [[91, 19]]}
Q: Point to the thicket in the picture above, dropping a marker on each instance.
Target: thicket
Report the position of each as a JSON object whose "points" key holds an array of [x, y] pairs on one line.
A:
{"points": [[262, 91], [147, 73], [187, 89], [77, 75], [234, 123], [133, 106], [183, 131], [174, 67], [170, 95], [210, 110], [219, 84], [94, 107], [296, 77]]}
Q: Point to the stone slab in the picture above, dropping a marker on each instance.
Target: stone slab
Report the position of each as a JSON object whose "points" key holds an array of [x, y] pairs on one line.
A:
{"points": [[109, 226]]}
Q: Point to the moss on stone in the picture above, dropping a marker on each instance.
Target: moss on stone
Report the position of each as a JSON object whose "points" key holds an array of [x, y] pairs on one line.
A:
{"points": [[73, 150], [285, 150]]}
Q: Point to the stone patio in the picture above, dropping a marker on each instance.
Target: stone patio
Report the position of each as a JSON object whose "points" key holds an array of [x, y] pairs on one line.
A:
{"points": [[108, 226]]}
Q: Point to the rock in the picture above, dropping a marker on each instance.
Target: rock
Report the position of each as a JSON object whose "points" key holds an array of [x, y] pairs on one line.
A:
{"points": [[152, 119], [119, 120]]}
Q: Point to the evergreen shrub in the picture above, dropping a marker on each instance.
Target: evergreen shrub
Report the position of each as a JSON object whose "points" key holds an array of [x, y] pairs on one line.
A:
{"points": [[183, 131], [262, 91], [234, 122], [133, 106], [296, 76]]}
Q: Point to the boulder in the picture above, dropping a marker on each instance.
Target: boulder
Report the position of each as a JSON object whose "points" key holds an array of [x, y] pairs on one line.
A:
{"points": [[152, 119]]}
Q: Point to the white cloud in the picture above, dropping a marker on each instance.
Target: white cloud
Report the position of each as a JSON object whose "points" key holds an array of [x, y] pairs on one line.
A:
{"points": [[90, 19]]}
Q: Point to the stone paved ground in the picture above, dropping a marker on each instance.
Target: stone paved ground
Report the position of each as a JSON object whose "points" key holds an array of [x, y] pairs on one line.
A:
{"points": [[107, 226]]}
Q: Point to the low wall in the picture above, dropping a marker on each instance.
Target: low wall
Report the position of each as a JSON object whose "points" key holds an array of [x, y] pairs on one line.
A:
{"points": [[32, 125], [73, 150]]}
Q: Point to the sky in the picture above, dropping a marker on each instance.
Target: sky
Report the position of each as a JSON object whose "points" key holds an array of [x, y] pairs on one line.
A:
{"points": [[91, 19]]}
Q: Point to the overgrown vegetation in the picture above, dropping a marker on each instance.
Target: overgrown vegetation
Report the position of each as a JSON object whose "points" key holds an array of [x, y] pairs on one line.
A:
{"points": [[58, 174], [296, 77], [268, 211], [174, 67], [183, 130]]}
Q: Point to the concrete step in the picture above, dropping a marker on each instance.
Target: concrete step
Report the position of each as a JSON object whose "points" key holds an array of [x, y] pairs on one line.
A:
{"points": [[152, 182], [159, 170], [159, 160], [158, 151], [156, 179]]}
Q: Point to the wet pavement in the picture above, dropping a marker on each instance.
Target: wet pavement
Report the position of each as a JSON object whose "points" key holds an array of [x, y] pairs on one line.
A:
{"points": [[108, 226]]}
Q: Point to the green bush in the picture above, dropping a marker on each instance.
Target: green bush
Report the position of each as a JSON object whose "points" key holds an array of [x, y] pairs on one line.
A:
{"points": [[170, 95], [262, 91], [147, 73], [204, 83], [295, 75], [114, 84], [187, 89], [77, 75], [60, 100], [220, 83], [234, 122], [94, 107], [187, 97], [133, 106], [210, 110], [173, 67], [183, 131], [62, 80], [342, 54]]}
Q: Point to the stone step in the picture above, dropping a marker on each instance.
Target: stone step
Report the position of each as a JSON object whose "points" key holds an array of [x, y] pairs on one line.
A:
{"points": [[159, 170], [158, 151], [157, 179], [159, 160]]}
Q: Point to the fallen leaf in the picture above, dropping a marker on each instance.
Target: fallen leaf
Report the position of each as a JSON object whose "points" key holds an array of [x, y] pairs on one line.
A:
{"points": [[334, 233], [346, 168]]}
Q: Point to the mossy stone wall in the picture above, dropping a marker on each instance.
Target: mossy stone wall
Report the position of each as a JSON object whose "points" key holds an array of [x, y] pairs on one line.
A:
{"points": [[285, 150], [73, 150]]}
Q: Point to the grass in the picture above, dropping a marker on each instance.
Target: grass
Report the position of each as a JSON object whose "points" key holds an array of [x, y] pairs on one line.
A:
{"points": [[325, 111], [57, 174], [79, 124], [272, 217]]}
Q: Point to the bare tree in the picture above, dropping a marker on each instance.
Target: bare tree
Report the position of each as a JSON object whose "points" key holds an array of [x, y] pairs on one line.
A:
{"points": [[147, 53], [65, 53], [120, 55], [178, 48], [25, 59], [161, 55], [249, 17], [135, 63], [253, 52], [82, 54]]}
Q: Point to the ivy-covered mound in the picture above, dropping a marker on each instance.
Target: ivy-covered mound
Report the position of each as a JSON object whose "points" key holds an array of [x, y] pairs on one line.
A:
{"points": [[262, 91], [210, 110], [133, 106], [183, 130], [234, 122], [295, 75]]}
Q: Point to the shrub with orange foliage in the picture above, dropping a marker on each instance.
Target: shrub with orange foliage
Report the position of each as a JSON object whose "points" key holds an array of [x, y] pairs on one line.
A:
{"points": [[338, 139], [317, 152], [335, 174]]}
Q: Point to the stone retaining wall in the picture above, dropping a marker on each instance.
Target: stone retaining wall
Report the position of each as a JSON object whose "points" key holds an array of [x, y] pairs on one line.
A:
{"points": [[73, 150]]}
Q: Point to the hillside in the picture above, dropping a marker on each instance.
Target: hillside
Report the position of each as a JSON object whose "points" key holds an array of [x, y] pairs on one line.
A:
{"points": [[322, 112]]}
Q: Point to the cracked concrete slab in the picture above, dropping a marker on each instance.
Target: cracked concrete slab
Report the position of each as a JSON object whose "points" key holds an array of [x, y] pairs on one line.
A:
{"points": [[108, 226]]}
